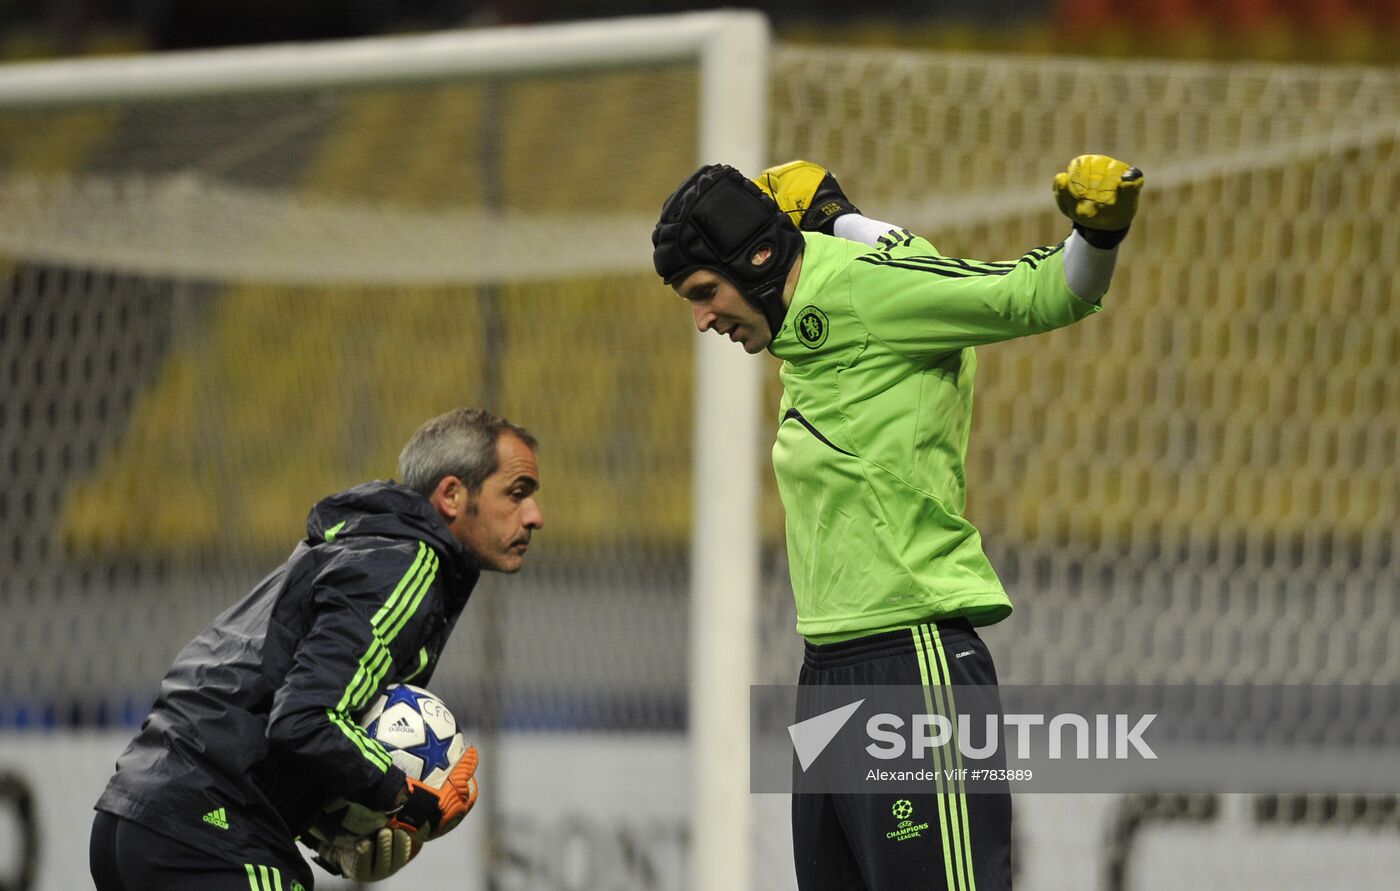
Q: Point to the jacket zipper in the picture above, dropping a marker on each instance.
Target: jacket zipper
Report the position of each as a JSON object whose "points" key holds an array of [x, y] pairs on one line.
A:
{"points": [[797, 416]]}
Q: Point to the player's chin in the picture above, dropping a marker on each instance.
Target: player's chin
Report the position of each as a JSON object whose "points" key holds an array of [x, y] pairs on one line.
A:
{"points": [[510, 562], [755, 344]]}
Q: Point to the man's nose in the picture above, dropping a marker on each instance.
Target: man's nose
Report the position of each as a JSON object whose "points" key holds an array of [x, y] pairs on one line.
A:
{"points": [[704, 318], [533, 519]]}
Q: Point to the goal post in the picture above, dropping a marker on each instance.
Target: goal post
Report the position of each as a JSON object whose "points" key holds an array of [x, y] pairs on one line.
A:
{"points": [[725, 542]]}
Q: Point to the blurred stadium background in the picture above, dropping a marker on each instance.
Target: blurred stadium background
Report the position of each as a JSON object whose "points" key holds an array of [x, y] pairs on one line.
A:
{"points": [[215, 311]]}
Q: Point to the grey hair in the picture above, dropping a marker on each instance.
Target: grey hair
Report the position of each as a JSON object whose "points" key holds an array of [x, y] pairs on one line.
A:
{"points": [[460, 443]]}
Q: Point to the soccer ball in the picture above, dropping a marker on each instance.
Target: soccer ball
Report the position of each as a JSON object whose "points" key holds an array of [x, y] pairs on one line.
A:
{"points": [[418, 730], [423, 740]]}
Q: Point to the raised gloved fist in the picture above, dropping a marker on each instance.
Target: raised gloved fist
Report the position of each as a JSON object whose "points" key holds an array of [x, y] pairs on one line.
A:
{"points": [[427, 812], [1098, 192], [371, 859], [807, 193]]}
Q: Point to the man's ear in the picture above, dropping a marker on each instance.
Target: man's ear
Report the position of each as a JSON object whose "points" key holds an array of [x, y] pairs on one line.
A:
{"points": [[450, 497]]}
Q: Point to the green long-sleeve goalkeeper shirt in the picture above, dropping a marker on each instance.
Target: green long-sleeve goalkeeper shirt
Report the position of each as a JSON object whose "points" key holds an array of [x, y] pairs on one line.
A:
{"points": [[877, 404]]}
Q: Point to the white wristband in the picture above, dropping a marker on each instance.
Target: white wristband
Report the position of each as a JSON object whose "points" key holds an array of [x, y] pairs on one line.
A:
{"points": [[1088, 269], [854, 227]]}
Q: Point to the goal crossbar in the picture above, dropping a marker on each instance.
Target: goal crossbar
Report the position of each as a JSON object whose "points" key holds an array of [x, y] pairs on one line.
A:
{"points": [[409, 59]]}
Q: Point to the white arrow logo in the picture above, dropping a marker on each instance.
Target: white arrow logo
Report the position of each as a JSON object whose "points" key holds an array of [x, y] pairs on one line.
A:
{"points": [[811, 736]]}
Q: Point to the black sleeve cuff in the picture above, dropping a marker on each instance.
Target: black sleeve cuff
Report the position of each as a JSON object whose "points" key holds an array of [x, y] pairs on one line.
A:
{"points": [[828, 203], [1102, 238], [385, 796], [327, 865]]}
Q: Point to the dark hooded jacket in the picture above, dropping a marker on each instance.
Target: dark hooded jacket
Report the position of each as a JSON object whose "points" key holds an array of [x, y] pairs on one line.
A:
{"points": [[254, 725]]}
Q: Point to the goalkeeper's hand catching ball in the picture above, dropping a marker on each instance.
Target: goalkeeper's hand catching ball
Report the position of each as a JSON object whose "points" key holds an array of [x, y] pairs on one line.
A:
{"points": [[1100, 196], [807, 193], [371, 859], [427, 813]]}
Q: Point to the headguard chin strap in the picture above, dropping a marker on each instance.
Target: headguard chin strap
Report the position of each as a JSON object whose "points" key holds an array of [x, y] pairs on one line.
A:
{"points": [[718, 220]]}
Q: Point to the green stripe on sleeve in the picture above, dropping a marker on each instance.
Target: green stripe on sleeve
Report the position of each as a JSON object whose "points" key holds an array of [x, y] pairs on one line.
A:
{"points": [[372, 750], [390, 620], [376, 661], [414, 600], [361, 686], [399, 605], [252, 877]]}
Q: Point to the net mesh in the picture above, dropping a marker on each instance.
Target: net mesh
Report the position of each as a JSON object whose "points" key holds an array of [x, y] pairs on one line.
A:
{"points": [[1199, 485], [214, 313]]}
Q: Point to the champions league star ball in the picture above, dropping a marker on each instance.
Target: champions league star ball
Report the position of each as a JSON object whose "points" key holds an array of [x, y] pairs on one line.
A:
{"points": [[418, 730], [423, 740]]}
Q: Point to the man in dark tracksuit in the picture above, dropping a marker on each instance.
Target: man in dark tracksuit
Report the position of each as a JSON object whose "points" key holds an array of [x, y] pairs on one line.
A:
{"points": [[254, 728]]}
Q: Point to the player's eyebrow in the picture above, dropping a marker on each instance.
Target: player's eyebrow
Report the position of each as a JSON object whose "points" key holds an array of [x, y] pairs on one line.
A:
{"points": [[695, 292]]}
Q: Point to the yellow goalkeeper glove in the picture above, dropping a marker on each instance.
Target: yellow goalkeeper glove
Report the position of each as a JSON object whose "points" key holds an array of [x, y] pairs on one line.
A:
{"points": [[1099, 194], [372, 859], [807, 193]]}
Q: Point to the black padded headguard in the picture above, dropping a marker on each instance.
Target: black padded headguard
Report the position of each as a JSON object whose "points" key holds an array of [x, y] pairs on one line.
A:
{"points": [[717, 220]]}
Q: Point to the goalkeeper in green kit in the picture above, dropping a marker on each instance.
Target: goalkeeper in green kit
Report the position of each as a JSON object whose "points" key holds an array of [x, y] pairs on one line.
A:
{"points": [[877, 332]]}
